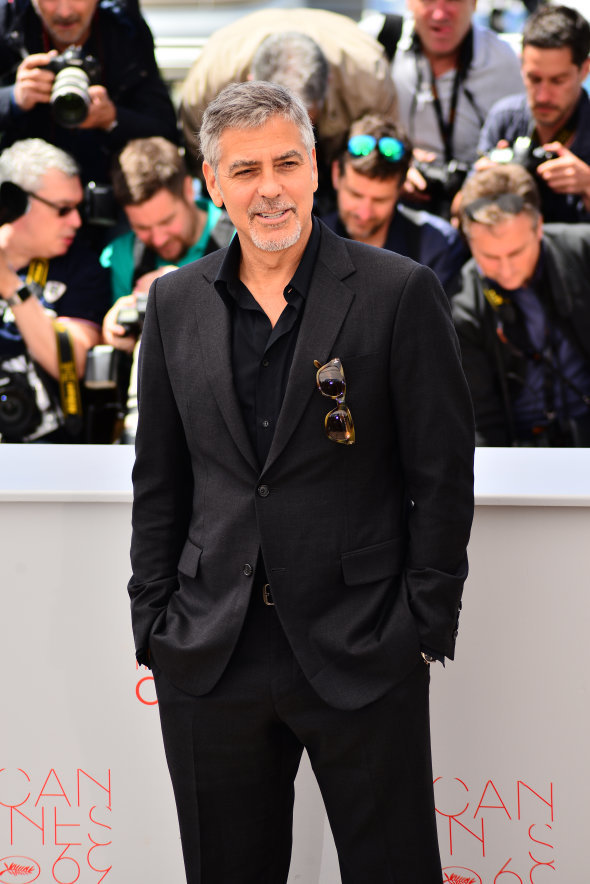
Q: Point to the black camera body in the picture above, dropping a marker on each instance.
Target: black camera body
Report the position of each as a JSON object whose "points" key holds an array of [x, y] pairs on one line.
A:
{"points": [[19, 413], [74, 73], [443, 181], [131, 318], [522, 152]]}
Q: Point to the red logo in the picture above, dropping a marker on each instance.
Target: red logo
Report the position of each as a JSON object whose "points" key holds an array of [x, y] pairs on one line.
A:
{"points": [[460, 875], [19, 869]]}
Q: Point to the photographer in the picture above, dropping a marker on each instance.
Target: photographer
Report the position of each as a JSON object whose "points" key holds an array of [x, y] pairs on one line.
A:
{"points": [[126, 96], [368, 178], [169, 228], [553, 118], [522, 314], [448, 72], [54, 295]]}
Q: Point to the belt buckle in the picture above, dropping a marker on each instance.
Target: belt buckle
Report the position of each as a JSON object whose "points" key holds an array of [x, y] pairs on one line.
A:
{"points": [[267, 595]]}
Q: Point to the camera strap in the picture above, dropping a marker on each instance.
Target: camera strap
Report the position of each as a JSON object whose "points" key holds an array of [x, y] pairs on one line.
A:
{"points": [[505, 315], [447, 127], [69, 387]]}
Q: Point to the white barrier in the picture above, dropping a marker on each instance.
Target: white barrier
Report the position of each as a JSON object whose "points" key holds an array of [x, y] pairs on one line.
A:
{"points": [[84, 790]]}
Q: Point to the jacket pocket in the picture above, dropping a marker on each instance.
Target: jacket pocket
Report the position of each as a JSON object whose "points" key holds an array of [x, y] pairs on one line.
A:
{"points": [[188, 562], [373, 562]]}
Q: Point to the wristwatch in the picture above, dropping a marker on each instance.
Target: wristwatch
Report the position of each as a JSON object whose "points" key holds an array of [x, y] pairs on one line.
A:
{"points": [[21, 295], [428, 658]]}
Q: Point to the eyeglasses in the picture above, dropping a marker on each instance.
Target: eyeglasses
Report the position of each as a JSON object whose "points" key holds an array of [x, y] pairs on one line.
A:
{"points": [[511, 203], [390, 148], [62, 211], [332, 384]]}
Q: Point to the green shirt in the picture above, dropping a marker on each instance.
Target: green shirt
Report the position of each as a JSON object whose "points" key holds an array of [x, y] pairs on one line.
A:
{"points": [[118, 255]]}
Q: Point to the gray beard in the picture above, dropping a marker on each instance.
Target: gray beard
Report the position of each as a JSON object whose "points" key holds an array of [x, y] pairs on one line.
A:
{"points": [[276, 245]]}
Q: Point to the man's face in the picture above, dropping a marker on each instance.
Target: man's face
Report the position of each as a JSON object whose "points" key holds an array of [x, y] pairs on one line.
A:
{"points": [[553, 84], [68, 21], [441, 24], [41, 230], [507, 253], [166, 223], [365, 205], [266, 180]]}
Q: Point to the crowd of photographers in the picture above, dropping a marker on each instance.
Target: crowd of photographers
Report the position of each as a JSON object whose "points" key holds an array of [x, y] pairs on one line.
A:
{"points": [[434, 139]]}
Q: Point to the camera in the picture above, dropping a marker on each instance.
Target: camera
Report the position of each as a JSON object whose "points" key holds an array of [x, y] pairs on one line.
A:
{"points": [[99, 205], [443, 181], [69, 96], [523, 153], [19, 413], [131, 318]]}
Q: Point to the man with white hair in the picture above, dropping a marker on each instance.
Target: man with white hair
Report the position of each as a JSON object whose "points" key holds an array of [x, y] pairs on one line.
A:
{"points": [[54, 292]]}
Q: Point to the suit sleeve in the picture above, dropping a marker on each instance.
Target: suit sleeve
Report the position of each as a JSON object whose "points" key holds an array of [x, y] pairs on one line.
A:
{"points": [[162, 486], [434, 420]]}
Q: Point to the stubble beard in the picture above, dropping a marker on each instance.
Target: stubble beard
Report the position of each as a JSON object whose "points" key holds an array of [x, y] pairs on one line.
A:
{"points": [[273, 244]]}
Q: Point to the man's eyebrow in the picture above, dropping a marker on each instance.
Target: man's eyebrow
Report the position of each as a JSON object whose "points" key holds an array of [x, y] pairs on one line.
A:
{"points": [[243, 163]]}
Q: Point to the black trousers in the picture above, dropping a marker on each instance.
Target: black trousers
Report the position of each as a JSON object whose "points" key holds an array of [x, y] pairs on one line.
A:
{"points": [[233, 755]]}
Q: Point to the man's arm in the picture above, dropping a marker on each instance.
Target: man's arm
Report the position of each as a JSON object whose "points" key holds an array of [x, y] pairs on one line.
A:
{"points": [[162, 487], [36, 327], [434, 420]]}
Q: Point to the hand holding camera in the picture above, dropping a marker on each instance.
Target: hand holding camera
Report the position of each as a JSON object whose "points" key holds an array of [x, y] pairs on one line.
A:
{"points": [[69, 82]]}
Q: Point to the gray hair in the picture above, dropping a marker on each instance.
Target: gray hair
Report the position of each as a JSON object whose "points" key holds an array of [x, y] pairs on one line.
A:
{"points": [[26, 162], [483, 196], [296, 61], [249, 106]]}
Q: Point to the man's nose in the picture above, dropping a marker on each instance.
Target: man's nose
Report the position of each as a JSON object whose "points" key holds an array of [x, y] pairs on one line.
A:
{"points": [[158, 237], [440, 9], [542, 93], [63, 8], [269, 184], [364, 210]]}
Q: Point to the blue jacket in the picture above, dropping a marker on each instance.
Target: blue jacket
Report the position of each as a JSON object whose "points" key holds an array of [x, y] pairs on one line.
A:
{"points": [[425, 238]]}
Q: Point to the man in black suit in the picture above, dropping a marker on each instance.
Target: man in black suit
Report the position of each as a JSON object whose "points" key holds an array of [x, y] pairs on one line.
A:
{"points": [[294, 571]]}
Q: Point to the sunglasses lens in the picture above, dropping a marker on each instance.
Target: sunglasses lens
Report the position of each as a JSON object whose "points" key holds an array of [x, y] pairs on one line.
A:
{"points": [[361, 145], [331, 381], [339, 425], [391, 148]]}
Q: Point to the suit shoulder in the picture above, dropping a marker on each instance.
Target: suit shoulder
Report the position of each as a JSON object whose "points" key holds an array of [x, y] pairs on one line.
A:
{"points": [[349, 256]]}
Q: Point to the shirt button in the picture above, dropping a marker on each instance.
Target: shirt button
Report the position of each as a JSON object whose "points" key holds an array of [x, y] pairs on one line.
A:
{"points": [[247, 570], [263, 490]]}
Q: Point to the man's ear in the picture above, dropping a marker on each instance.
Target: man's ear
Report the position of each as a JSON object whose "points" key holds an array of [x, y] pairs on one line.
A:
{"points": [[188, 190], [335, 174], [212, 187]]}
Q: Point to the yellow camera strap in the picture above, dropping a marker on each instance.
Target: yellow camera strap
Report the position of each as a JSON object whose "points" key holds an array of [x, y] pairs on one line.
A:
{"points": [[69, 387], [38, 271]]}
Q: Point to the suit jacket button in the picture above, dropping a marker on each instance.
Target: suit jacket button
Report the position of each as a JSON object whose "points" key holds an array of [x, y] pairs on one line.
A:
{"points": [[263, 490], [247, 570]]}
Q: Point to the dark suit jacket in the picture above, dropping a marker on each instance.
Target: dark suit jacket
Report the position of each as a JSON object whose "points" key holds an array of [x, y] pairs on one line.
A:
{"points": [[364, 545]]}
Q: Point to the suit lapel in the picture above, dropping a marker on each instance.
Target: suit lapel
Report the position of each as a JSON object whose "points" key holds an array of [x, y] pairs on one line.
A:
{"points": [[214, 330], [327, 304]]}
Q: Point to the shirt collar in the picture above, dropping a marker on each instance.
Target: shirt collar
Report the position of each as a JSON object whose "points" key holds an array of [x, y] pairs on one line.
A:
{"points": [[227, 280]]}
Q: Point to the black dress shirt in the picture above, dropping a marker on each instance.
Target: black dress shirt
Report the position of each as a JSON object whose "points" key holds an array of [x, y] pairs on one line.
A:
{"points": [[261, 354]]}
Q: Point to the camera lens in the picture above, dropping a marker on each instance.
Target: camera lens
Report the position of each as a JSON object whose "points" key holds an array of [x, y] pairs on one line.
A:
{"points": [[19, 414], [69, 97]]}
